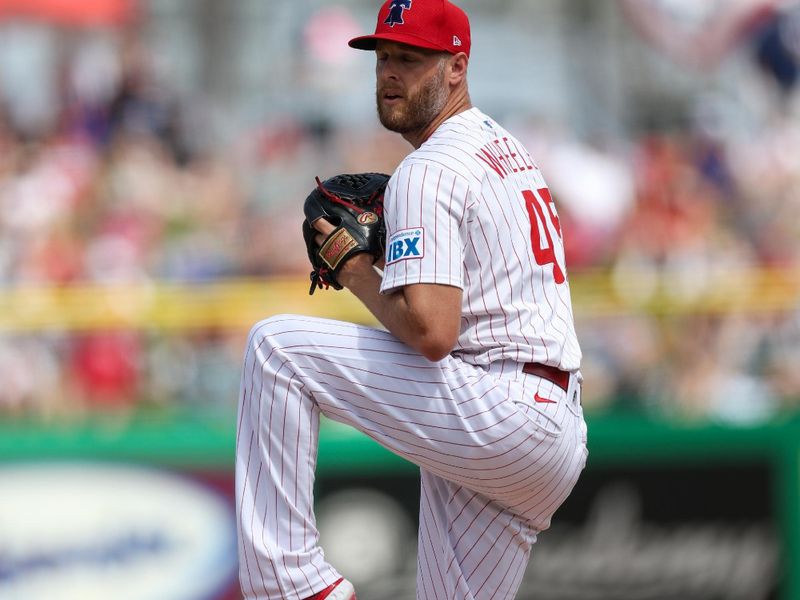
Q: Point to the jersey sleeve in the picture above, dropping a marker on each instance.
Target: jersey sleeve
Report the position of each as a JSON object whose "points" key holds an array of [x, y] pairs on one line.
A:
{"points": [[425, 212]]}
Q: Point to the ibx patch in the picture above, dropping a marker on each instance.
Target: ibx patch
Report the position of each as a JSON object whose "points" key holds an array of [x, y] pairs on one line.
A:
{"points": [[405, 244]]}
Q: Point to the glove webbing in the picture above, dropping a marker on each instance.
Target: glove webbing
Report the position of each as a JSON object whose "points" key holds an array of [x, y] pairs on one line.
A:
{"points": [[378, 210]]}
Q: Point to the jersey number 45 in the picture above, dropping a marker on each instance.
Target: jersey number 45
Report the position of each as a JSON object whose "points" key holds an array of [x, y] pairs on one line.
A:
{"points": [[541, 210]]}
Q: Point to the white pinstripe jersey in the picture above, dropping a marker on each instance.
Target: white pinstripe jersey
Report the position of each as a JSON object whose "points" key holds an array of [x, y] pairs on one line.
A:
{"points": [[470, 208]]}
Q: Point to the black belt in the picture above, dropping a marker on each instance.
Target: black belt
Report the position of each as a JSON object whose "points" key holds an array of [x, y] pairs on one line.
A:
{"points": [[552, 374]]}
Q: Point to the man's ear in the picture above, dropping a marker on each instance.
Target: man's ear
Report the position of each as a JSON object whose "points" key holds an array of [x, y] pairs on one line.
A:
{"points": [[458, 68]]}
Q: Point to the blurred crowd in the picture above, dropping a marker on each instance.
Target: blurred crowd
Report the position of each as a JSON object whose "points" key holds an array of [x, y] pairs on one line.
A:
{"points": [[126, 187], [699, 213]]}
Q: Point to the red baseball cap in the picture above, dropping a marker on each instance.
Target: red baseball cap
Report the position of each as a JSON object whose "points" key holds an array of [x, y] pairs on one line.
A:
{"points": [[434, 24]]}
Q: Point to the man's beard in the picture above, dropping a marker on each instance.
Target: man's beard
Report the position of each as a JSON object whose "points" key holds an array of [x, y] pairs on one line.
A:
{"points": [[418, 110]]}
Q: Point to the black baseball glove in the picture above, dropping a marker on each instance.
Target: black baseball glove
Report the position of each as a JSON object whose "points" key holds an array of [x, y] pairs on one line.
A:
{"points": [[354, 205]]}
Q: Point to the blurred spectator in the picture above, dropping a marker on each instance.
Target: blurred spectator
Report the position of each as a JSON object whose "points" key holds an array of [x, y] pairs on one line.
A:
{"points": [[106, 369]]}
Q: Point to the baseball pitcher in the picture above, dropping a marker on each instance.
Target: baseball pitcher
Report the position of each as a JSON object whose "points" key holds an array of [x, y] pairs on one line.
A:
{"points": [[475, 378]]}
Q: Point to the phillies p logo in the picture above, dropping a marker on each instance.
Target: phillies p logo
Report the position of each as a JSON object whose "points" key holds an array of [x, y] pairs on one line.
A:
{"points": [[395, 16]]}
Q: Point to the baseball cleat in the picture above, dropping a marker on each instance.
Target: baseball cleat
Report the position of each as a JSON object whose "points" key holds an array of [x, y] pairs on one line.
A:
{"points": [[341, 590]]}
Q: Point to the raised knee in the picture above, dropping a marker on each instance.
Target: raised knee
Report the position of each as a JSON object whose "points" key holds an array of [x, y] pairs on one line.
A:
{"points": [[265, 332]]}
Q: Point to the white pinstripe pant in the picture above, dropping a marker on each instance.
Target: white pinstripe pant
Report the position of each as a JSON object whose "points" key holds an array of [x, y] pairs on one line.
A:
{"points": [[495, 464]]}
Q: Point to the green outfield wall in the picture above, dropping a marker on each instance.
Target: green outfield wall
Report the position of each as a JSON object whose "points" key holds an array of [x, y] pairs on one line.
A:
{"points": [[206, 444]]}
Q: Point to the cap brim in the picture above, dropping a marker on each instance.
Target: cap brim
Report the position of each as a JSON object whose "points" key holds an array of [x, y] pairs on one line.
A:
{"points": [[368, 42]]}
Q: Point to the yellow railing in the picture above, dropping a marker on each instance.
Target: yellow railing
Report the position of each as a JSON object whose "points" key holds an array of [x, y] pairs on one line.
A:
{"points": [[239, 303], [751, 291], [225, 304]]}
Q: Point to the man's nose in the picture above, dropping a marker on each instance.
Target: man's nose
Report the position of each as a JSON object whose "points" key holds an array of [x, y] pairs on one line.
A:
{"points": [[386, 70]]}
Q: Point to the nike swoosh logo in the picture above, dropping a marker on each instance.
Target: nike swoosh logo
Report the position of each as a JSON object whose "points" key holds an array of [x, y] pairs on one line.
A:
{"points": [[542, 399]]}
